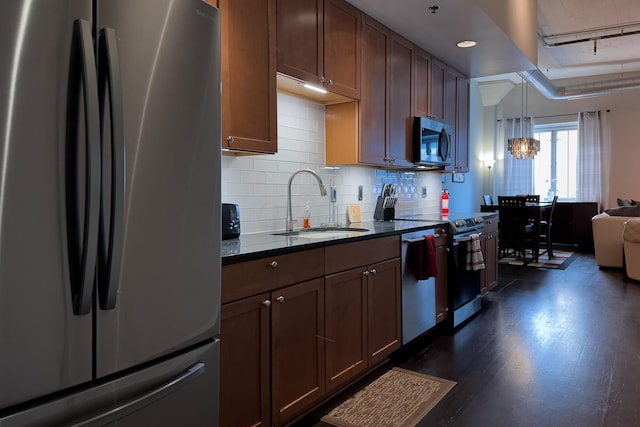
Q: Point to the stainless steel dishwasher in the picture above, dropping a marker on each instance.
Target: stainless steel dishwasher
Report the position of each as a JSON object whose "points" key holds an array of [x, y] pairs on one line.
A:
{"points": [[418, 296]]}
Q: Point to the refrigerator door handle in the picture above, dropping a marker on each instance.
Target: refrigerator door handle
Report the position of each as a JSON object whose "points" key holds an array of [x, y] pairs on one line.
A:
{"points": [[111, 241], [82, 246], [146, 399]]}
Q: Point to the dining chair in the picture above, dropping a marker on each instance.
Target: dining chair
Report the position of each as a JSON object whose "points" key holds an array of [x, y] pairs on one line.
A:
{"points": [[532, 198], [545, 228], [516, 228]]}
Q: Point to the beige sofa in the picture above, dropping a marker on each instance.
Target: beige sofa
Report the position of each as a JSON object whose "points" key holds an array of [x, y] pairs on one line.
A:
{"points": [[607, 239], [631, 238]]}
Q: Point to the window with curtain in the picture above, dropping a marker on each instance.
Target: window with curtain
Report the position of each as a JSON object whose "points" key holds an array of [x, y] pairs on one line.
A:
{"points": [[555, 168], [572, 162]]}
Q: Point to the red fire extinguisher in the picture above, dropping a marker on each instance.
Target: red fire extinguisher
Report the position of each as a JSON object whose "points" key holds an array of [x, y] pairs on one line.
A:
{"points": [[445, 202]]}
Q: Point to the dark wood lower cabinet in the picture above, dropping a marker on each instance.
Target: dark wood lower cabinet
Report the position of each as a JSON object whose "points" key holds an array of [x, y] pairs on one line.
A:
{"points": [[489, 246], [244, 358], [383, 310], [294, 344], [297, 349], [572, 223], [346, 319]]}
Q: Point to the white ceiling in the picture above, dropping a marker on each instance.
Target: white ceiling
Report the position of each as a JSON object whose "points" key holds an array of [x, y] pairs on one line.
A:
{"points": [[496, 54]]}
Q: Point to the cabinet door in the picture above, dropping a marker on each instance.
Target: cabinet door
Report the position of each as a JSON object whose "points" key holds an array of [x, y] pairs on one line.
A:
{"points": [[421, 82], [373, 96], [484, 278], [400, 101], [300, 39], [438, 72], [346, 319], [491, 261], [442, 299], [342, 43], [383, 310], [244, 362], [297, 349], [249, 120], [462, 125], [450, 100]]}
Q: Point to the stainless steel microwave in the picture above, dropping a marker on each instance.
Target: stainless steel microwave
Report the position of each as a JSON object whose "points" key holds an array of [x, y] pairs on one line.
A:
{"points": [[431, 143]]}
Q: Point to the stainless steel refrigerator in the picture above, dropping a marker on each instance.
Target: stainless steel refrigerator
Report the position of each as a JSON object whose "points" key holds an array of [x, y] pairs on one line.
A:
{"points": [[109, 212]]}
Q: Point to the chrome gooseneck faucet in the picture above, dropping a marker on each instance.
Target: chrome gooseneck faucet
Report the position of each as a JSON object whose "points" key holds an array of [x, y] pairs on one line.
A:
{"points": [[323, 192]]}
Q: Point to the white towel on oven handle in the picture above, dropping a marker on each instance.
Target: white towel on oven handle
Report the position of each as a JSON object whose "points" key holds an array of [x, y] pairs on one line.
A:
{"points": [[475, 260]]}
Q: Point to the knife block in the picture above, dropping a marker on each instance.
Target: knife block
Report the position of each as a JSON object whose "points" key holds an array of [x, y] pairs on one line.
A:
{"points": [[381, 213]]}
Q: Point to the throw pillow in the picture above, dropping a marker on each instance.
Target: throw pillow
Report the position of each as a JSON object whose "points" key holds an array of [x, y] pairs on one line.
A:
{"points": [[624, 202], [624, 211]]}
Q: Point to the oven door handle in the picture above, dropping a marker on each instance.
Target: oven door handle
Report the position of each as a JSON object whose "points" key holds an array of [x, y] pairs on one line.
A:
{"points": [[417, 239], [464, 238]]}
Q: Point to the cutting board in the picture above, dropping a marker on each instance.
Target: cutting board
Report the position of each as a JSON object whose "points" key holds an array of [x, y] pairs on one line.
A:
{"points": [[354, 213]]}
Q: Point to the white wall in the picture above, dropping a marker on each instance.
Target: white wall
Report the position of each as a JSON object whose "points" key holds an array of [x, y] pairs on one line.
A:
{"points": [[258, 183], [624, 119]]}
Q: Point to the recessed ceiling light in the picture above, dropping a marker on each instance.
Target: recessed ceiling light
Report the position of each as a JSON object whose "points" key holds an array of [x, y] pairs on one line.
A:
{"points": [[466, 43], [316, 88]]}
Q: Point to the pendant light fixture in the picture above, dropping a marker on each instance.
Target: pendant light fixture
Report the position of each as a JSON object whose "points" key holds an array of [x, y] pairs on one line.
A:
{"points": [[523, 147]]}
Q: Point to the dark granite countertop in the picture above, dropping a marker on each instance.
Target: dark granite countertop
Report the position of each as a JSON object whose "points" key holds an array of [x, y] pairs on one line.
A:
{"points": [[257, 245]]}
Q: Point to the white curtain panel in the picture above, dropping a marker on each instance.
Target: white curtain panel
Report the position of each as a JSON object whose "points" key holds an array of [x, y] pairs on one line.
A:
{"points": [[593, 176], [513, 176]]}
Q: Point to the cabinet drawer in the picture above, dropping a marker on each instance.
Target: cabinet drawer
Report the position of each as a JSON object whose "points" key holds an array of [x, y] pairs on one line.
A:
{"points": [[442, 235], [490, 224], [356, 254], [262, 275]]}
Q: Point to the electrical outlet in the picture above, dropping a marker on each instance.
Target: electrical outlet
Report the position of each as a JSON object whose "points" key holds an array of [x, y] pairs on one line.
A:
{"points": [[424, 192], [360, 191]]}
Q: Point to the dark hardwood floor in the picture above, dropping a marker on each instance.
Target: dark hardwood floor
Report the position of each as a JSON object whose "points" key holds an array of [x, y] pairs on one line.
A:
{"points": [[550, 348]]}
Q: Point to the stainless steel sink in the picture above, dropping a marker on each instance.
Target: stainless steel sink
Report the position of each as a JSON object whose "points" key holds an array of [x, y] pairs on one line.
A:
{"points": [[323, 232]]}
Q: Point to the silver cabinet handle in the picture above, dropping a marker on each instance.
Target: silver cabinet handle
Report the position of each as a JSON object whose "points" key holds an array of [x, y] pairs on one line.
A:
{"points": [[230, 139], [280, 299], [266, 303], [273, 264], [365, 273], [322, 79], [373, 271], [330, 82]]}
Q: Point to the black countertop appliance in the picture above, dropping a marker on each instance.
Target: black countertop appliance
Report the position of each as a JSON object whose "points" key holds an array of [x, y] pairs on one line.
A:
{"points": [[230, 221]]}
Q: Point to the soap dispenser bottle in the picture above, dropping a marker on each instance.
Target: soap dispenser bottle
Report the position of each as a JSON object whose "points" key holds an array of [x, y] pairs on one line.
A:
{"points": [[307, 216]]}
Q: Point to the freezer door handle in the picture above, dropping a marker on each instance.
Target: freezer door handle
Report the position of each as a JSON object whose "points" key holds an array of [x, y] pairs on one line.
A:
{"points": [[83, 247], [146, 399], [111, 236]]}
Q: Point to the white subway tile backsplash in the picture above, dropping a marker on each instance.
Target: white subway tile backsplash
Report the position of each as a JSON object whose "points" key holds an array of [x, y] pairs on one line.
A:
{"points": [[258, 183]]}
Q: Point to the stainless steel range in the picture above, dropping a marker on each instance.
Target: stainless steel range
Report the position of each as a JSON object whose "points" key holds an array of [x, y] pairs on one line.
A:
{"points": [[464, 285]]}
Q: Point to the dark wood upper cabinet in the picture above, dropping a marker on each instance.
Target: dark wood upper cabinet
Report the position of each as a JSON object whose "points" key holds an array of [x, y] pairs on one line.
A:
{"points": [[421, 83], [437, 98], [342, 23], [319, 42], [300, 39], [400, 101], [373, 102], [462, 124], [249, 103]]}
